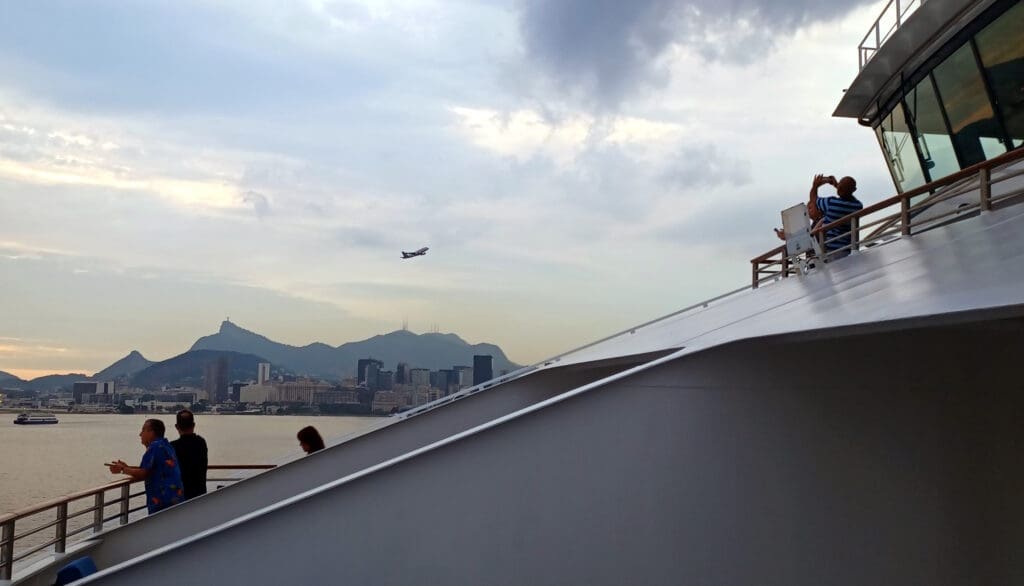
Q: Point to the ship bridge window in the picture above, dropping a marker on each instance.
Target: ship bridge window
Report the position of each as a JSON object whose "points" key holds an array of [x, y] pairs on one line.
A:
{"points": [[1001, 48], [976, 132], [894, 136], [930, 132]]}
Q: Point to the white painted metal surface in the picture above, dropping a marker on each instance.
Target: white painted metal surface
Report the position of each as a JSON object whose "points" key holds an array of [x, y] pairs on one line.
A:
{"points": [[974, 264], [396, 437], [719, 468]]}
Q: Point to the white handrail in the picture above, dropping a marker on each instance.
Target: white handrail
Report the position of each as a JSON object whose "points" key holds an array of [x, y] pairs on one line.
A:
{"points": [[894, 15]]}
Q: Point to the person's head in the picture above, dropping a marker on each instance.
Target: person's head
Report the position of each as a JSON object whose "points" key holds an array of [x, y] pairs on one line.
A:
{"points": [[185, 422], [846, 186], [152, 429], [310, 440]]}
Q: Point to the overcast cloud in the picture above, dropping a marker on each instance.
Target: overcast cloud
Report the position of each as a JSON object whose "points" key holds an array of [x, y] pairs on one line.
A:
{"points": [[572, 165], [604, 51]]}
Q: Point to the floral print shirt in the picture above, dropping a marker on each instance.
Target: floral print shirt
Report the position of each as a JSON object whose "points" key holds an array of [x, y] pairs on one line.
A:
{"points": [[163, 483]]}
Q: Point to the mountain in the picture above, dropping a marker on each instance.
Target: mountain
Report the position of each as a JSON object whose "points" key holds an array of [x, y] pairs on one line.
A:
{"points": [[188, 369], [47, 383], [9, 380], [125, 367], [55, 382], [310, 359], [433, 351]]}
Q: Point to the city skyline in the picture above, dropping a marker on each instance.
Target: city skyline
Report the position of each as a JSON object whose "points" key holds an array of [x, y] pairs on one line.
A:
{"points": [[576, 168], [134, 358]]}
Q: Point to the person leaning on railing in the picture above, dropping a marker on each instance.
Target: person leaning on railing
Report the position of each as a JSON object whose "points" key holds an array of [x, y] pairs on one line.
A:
{"points": [[825, 210], [159, 468]]}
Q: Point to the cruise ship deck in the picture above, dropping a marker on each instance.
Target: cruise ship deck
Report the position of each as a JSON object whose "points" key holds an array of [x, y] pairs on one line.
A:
{"points": [[848, 418]]}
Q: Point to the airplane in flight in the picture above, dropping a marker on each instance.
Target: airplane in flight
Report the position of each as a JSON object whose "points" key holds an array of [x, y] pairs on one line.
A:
{"points": [[419, 252]]}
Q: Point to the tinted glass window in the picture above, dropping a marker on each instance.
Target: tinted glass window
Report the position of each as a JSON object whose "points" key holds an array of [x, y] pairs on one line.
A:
{"points": [[975, 131], [899, 150], [930, 131], [1001, 46]]}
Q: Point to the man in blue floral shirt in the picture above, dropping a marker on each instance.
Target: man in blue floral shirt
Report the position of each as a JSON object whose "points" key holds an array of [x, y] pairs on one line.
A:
{"points": [[159, 468]]}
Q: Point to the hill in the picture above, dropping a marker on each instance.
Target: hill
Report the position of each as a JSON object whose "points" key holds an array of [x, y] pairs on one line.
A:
{"points": [[9, 380], [45, 384], [188, 369], [55, 382], [124, 368], [433, 351]]}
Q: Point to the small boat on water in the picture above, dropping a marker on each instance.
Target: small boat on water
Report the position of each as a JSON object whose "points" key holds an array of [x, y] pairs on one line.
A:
{"points": [[41, 419]]}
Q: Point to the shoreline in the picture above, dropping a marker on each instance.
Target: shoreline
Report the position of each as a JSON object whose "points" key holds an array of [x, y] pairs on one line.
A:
{"points": [[48, 411]]}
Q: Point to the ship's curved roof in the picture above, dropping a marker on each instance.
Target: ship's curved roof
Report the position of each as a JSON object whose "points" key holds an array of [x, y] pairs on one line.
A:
{"points": [[924, 31]]}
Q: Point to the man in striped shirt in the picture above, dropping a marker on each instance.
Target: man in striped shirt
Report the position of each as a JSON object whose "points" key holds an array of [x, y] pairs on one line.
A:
{"points": [[825, 210]]}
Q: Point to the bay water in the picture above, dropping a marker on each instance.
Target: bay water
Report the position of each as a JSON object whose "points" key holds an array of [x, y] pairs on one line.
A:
{"points": [[41, 462]]}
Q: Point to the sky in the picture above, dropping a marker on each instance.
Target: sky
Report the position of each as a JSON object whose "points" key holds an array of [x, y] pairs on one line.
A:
{"points": [[575, 166]]}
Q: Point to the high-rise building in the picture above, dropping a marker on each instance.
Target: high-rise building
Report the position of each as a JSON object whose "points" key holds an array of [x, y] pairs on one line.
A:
{"points": [[482, 368], [446, 380], [215, 379], [235, 390], [371, 379], [463, 376], [262, 373], [419, 377], [402, 374], [363, 365]]}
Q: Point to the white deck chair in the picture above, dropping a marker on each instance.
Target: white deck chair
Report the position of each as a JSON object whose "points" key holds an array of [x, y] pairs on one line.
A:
{"points": [[796, 227]]}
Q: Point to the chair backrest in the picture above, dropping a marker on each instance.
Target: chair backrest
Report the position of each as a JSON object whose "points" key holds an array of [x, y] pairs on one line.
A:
{"points": [[796, 225], [76, 570]]}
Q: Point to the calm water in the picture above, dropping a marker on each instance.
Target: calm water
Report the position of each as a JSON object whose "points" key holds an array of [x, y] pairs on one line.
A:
{"points": [[39, 462]]}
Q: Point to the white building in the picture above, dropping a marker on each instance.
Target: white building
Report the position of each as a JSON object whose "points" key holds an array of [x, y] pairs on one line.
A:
{"points": [[262, 373], [259, 394]]}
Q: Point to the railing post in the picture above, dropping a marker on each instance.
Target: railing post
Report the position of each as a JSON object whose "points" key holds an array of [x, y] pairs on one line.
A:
{"points": [[97, 515], [785, 265], [62, 528], [7, 550], [985, 184], [854, 234], [753, 271], [126, 491], [905, 216], [898, 15]]}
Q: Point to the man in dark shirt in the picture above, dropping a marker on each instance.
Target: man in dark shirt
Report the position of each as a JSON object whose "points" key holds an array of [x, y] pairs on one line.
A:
{"points": [[191, 451]]}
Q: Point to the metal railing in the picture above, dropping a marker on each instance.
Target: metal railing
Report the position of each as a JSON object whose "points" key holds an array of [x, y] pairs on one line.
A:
{"points": [[78, 514], [892, 18], [899, 216]]}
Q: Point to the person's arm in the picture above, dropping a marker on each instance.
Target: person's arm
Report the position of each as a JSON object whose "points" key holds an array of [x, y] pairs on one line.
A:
{"points": [[120, 467], [812, 203]]}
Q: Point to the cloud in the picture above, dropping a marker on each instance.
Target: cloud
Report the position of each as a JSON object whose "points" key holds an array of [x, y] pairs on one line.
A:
{"points": [[703, 166], [603, 51], [260, 203]]}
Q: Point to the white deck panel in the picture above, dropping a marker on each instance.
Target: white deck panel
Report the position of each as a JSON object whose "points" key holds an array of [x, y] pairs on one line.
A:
{"points": [[970, 265]]}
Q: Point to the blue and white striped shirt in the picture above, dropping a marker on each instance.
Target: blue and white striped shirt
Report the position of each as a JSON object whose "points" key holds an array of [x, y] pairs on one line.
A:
{"points": [[832, 209]]}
